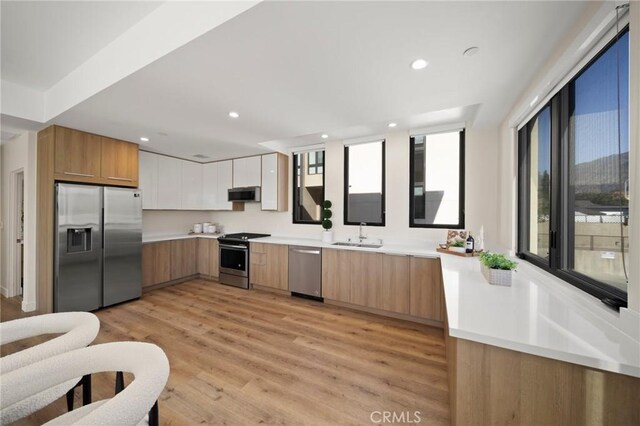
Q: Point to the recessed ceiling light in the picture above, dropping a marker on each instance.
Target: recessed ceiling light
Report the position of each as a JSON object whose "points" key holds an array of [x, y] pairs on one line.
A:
{"points": [[392, 124], [324, 136], [234, 114], [533, 101], [143, 139], [471, 51], [419, 64]]}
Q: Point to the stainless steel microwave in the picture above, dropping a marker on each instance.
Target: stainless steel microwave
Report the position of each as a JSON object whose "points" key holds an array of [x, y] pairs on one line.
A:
{"points": [[247, 195]]}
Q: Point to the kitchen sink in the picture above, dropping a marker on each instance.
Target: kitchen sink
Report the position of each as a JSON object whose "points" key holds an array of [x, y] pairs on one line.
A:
{"points": [[346, 244], [350, 244], [370, 245]]}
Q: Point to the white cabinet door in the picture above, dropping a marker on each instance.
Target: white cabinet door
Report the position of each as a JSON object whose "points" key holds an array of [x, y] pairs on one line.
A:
{"points": [[148, 183], [210, 186], [246, 171], [169, 183], [254, 167], [239, 172], [225, 182], [270, 182], [191, 194]]}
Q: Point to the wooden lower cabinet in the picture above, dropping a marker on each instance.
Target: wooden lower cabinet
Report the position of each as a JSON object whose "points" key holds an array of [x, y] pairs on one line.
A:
{"points": [[489, 385], [426, 292], [204, 253], [156, 263], [336, 282], [269, 265], [365, 274], [208, 257], [399, 284], [394, 292], [183, 258]]}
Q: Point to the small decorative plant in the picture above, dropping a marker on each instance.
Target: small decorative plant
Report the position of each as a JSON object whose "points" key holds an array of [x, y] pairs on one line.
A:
{"points": [[327, 235], [326, 215], [457, 243], [496, 268], [497, 261]]}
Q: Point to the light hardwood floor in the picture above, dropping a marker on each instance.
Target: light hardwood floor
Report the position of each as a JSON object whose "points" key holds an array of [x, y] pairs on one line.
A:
{"points": [[246, 357]]}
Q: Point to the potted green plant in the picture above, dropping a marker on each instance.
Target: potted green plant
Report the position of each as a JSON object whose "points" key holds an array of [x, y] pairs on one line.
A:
{"points": [[327, 234], [496, 268], [457, 246]]}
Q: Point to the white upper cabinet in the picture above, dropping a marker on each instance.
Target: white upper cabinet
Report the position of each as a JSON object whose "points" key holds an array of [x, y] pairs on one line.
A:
{"points": [[247, 171], [274, 193], [169, 183], [210, 194], [225, 182], [191, 194], [148, 183]]}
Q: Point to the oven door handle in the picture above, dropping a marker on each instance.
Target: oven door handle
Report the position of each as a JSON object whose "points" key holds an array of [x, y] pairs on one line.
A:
{"points": [[225, 246]]}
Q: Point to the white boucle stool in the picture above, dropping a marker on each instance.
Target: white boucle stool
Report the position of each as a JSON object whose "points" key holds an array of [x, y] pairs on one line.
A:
{"points": [[79, 328], [146, 361]]}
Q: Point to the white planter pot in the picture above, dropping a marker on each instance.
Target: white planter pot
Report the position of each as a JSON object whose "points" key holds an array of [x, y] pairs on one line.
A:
{"points": [[497, 276], [458, 249], [327, 236]]}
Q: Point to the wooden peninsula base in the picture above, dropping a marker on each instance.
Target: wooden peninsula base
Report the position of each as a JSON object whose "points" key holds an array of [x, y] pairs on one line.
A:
{"points": [[495, 386]]}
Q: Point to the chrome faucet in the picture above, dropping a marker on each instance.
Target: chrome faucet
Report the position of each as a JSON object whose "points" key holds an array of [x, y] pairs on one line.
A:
{"points": [[361, 235]]}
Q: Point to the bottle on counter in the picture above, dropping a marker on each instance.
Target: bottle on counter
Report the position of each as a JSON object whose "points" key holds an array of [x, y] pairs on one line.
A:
{"points": [[470, 244]]}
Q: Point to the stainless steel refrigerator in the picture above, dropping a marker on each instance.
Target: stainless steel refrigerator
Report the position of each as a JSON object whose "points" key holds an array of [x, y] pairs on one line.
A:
{"points": [[98, 251]]}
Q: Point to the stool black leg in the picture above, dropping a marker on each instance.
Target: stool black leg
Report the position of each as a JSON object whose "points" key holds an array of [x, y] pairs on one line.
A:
{"points": [[86, 389], [70, 396], [153, 415], [119, 382]]}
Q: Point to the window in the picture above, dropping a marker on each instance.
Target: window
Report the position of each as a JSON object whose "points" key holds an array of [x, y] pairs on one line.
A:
{"points": [[308, 187], [315, 164], [574, 179], [436, 185], [364, 184]]}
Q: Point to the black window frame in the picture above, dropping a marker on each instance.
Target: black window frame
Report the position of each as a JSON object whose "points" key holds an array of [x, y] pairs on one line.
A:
{"points": [[296, 196], [346, 185], [559, 227], [461, 189]]}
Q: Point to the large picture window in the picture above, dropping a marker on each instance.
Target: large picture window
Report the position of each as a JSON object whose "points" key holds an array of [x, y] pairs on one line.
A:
{"points": [[364, 184], [436, 166], [308, 187], [574, 179]]}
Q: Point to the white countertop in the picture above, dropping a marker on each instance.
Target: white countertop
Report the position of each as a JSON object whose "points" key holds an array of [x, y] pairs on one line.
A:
{"points": [[538, 314], [424, 249], [153, 238]]}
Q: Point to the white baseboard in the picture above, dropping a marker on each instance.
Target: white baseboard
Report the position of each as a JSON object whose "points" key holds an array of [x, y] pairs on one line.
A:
{"points": [[28, 306]]}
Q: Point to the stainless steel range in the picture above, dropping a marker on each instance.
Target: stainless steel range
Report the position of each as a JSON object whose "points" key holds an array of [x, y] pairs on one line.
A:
{"points": [[234, 258]]}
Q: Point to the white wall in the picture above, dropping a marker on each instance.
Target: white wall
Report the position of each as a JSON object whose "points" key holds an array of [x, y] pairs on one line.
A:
{"points": [[481, 195], [19, 153], [508, 139], [159, 222]]}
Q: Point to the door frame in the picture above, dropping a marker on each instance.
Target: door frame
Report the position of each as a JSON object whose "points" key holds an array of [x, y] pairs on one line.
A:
{"points": [[17, 200]]}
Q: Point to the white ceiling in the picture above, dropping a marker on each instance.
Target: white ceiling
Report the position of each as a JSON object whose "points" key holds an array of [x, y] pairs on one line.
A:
{"points": [[294, 70], [43, 41]]}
